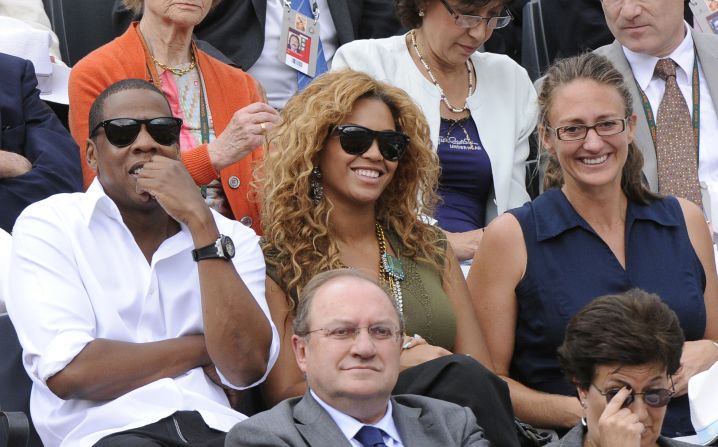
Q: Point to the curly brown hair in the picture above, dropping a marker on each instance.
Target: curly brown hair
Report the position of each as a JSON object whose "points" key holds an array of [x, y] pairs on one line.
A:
{"points": [[408, 10], [599, 69], [137, 6], [297, 234]]}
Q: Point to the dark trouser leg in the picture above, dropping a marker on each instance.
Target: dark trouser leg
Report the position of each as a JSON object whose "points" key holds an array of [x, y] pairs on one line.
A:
{"points": [[183, 428], [464, 381]]}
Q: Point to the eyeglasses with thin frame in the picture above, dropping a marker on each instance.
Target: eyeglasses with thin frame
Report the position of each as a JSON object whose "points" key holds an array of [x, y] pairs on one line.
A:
{"points": [[653, 398], [574, 132], [469, 21], [356, 139], [122, 132], [377, 332]]}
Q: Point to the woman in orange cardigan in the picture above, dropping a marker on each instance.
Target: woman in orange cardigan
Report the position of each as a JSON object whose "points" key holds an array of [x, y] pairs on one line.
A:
{"points": [[223, 117]]}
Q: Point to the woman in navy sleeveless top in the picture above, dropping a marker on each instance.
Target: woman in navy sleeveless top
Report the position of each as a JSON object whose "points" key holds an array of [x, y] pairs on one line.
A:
{"points": [[598, 231]]}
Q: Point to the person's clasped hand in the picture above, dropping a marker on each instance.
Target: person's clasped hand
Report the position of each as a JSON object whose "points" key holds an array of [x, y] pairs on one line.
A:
{"points": [[167, 181], [13, 165], [244, 133]]}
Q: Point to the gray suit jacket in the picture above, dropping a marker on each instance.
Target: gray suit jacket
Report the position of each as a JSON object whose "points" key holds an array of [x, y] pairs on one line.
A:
{"points": [[707, 49], [574, 438], [301, 421]]}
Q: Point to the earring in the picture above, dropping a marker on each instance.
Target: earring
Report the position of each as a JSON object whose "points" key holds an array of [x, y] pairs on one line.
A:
{"points": [[583, 403], [316, 190], [583, 421], [421, 12]]}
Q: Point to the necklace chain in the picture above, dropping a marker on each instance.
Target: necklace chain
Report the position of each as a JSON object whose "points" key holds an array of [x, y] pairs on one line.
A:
{"points": [[388, 274], [445, 100], [176, 71]]}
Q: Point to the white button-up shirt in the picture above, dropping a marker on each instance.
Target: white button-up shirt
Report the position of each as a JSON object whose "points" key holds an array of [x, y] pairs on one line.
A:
{"points": [[77, 275]]}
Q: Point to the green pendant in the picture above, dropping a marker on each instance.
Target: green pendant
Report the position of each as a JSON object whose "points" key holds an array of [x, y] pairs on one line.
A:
{"points": [[392, 266]]}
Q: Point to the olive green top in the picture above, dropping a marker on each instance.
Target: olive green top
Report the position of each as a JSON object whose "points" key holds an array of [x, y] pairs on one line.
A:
{"points": [[427, 310]]}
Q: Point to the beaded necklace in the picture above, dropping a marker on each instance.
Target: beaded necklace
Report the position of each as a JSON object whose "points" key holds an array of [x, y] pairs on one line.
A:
{"points": [[445, 100], [390, 271]]}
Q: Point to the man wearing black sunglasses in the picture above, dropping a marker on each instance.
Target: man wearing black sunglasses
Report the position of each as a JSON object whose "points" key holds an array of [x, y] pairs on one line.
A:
{"points": [[133, 309]]}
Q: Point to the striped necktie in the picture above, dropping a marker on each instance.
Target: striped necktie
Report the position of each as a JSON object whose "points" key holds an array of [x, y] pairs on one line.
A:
{"points": [[675, 143], [305, 7]]}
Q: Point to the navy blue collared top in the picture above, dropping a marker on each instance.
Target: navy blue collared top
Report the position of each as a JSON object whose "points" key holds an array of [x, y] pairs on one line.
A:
{"points": [[569, 265]]}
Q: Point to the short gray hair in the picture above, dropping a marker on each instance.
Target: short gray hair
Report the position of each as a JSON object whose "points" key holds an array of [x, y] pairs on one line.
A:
{"points": [[301, 320]]}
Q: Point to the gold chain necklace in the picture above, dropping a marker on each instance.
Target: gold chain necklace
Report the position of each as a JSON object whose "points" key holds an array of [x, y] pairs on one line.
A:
{"points": [[177, 71], [445, 100], [390, 270]]}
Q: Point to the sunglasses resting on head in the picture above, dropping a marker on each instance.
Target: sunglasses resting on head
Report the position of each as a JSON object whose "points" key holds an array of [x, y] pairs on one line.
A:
{"points": [[356, 140], [121, 132]]}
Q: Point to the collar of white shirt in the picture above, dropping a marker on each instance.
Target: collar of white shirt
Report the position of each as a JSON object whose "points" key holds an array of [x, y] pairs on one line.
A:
{"points": [[643, 65], [350, 426]]}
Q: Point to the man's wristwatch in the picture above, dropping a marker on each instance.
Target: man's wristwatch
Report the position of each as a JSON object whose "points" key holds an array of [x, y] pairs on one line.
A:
{"points": [[223, 248]]}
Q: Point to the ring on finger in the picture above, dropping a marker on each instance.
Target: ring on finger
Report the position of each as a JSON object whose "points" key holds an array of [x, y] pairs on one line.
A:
{"points": [[262, 126]]}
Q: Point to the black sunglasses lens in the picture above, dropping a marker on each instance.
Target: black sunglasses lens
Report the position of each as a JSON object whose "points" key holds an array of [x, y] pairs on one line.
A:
{"points": [[392, 145], [610, 394], [165, 131], [122, 132], [355, 140]]}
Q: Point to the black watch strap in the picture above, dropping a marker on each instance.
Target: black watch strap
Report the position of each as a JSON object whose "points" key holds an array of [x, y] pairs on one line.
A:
{"points": [[222, 248]]}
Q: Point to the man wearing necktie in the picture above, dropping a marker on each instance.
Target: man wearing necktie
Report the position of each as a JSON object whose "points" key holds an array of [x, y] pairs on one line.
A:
{"points": [[348, 338], [672, 73]]}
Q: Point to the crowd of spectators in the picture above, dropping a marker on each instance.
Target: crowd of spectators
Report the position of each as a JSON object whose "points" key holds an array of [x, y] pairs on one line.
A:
{"points": [[318, 211]]}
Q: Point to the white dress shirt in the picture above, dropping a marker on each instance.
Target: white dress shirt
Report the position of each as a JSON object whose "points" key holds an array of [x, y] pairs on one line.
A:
{"points": [[77, 274], [643, 67], [350, 426], [278, 78]]}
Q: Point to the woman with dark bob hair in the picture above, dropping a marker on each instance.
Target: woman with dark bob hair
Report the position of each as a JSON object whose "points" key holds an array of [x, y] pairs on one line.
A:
{"points": [[481, 107], [340, 187], [596, 230], [223, 116], [621, 352]]}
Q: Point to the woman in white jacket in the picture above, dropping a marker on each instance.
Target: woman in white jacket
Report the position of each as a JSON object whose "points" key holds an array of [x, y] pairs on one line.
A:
{"points": [[481, 107]]}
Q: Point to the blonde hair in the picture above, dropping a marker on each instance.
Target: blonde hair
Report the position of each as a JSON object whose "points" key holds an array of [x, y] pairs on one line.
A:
{"points": [[297, 237], [136, 6]]}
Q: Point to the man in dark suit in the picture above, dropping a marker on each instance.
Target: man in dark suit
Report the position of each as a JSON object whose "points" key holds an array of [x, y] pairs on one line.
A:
{"points": [[38, 157], [348, 338]]}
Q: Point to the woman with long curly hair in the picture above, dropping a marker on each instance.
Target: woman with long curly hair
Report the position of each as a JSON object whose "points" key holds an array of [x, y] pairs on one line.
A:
{"points": [[349, 173]]}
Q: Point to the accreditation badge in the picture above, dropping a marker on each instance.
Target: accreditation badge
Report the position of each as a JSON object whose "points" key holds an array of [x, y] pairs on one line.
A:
{"points": [[299, 41]]}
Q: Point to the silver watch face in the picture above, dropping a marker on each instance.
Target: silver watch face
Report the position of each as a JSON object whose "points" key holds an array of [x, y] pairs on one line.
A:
{"points": [[228, 246]]}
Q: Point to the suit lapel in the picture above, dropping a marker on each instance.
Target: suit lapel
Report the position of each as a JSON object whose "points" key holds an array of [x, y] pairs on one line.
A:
{"points": [[642, 139], [260, 8], [413, 429], [341, 16], [707, 49], [316, 426]]}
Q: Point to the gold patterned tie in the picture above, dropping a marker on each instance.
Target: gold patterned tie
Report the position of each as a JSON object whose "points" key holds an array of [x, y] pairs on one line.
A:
{"points": [[675, 144]]}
